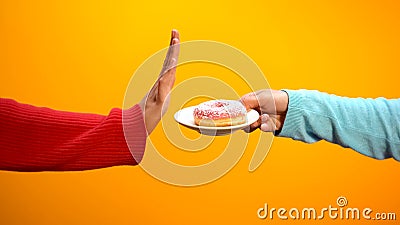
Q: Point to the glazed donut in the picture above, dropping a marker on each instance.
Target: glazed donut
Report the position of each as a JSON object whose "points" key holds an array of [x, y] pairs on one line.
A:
{"points": [[220, 113]]}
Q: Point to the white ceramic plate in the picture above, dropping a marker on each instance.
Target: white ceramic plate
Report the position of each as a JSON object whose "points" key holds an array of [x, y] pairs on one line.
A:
{"points": [[185, 117]]}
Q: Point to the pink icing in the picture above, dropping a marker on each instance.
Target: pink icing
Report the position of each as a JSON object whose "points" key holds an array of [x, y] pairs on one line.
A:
{"points": [[219, 109]]}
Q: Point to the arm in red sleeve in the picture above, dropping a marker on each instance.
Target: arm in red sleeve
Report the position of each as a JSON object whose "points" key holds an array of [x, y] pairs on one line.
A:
{"points": [[41, 139]]}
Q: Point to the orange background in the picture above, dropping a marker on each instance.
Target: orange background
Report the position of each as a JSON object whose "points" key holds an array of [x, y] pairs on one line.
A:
{"points": [[80, 55]]}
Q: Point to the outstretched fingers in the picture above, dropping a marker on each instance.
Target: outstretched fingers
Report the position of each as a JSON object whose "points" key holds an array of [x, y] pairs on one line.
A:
{"points": [[167, 77], [173, 52]]}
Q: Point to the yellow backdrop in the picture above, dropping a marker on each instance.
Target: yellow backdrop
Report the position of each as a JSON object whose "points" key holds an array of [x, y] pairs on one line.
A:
{"points": [[80, 55]]}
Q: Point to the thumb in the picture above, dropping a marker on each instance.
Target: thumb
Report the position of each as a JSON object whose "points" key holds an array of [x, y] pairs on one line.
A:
{"points": [[250, 101], [166, 82]]}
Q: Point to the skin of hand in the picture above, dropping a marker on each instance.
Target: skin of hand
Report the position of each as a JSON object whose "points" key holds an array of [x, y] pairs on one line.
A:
{"points": [[155, 103], [272, 106]]}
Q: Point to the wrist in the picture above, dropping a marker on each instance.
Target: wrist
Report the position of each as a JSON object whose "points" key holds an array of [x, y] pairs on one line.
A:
{"points": [[281, 100]]}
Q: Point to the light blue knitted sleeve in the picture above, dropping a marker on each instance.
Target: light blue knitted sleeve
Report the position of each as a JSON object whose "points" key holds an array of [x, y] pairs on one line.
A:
{"points": [[369, 126]]}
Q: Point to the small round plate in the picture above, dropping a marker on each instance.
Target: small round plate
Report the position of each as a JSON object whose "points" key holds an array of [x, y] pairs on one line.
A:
{"points": [[185, 117]]}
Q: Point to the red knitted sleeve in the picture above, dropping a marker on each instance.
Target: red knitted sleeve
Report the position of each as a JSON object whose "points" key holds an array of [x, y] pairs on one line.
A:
{"points": [[41, 139]]}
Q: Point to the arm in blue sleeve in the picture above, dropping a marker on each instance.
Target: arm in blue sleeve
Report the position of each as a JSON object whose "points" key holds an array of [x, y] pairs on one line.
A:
{"points": [[369, 126]]}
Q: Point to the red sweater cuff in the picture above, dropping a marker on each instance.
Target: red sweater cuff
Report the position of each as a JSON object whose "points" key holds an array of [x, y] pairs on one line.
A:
{"points": [[135, 131]]}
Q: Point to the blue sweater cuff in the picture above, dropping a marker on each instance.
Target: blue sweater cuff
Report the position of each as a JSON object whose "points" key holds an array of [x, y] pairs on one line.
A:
{"points": [[292, 123]]}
